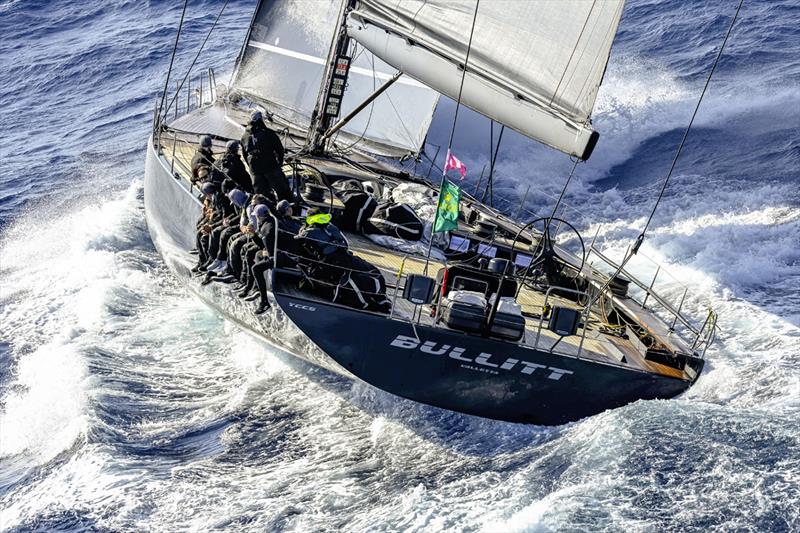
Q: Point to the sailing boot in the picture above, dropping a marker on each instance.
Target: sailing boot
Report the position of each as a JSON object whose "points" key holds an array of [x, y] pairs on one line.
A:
{"points": [[263, 306]]}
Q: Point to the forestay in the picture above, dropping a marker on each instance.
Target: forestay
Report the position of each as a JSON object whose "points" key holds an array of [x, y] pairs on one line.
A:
{"points": [[282, 64], [535, 66]]}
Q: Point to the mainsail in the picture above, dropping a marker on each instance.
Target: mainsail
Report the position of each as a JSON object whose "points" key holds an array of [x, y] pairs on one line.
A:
{"points": [[534, 66], [282, 64]]}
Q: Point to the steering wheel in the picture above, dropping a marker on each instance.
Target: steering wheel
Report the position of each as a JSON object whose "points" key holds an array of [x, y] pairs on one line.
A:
{"points": [[545, 256]]}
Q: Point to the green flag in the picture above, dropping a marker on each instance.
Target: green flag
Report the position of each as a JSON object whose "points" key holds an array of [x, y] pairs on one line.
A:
{"points": [[447, 211]]}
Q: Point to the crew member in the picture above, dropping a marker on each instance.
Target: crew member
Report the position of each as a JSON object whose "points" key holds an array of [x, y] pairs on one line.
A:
{"points": [[208, 219], [224, 213], [321, 239], [263, 151], [203, 157], [267, 257], [218, 244], [231, 166], [248, 225]]}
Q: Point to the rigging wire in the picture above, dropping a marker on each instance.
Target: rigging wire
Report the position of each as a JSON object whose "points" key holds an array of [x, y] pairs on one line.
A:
{"points": [[197, 55], [564, 189], [689, 127], [172, 59], [453, 130], [632, 250], [493, 159]]}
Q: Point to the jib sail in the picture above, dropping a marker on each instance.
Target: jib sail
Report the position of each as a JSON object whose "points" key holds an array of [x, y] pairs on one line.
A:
{"points": [[282, 64]]}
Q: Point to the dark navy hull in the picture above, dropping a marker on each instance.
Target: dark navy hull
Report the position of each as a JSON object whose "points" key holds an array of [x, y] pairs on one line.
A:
{"points": [[470, 374], [438, 367]]}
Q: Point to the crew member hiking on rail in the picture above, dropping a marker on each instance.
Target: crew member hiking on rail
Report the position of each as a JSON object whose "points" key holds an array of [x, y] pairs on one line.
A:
{"points": [[231, 166], [203, 157], [263, 151], [248, 229], [212, 214], [266, 258], [231, 225]]}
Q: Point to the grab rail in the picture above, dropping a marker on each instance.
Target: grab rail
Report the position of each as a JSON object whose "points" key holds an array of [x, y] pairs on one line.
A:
{"points": [[701, 336], [200, 91]]}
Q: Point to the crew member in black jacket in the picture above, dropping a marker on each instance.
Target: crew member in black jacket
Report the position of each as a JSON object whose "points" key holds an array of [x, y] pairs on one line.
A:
{"points": [[263, 151], [203, 157], [267, 257], [231, 166]]}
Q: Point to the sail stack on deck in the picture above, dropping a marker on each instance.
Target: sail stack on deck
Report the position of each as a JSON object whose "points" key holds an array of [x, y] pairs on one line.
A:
{"points": [[533, 66], [282, 64]]}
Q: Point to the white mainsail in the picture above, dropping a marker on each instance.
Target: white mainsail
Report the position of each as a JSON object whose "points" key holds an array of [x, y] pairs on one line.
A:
{"points": [[283, 61], [534, 65]]}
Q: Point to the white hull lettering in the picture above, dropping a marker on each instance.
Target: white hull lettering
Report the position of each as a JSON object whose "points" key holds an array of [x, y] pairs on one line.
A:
{"points": [[557, 373], [455, 353], [401, 341], [430, 347], [530, 368], [509, 364], [483, 359], [303, 307]]}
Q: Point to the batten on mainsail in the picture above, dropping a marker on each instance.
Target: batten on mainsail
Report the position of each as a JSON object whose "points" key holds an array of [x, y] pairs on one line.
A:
{"points": [[535, 66], [282, 64]]}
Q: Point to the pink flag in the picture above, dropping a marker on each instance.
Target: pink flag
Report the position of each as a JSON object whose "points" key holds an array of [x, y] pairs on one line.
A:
{"points": [[453, 162]]}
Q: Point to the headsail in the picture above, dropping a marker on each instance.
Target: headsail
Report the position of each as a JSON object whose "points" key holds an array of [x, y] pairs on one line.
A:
{"points": [[282, 64], [535, 66]]}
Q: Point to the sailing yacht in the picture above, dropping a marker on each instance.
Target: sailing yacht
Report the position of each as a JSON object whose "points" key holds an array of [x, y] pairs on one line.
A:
{"points": [[514, 318]]}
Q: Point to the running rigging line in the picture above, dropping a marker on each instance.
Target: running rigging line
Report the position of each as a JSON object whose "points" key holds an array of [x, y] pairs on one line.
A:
{"points": [[202, 45], [172, 59], [691, 121], [637, 244], [564, 189], [453, 130]]}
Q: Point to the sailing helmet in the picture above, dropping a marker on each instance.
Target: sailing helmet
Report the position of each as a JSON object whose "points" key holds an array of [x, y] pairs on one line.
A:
{"points": [[258, 199], [256, 116], [228, 185], [238, 197], [261, 211], [283, 207], [208, 188], [205, 141], [232, 146]]}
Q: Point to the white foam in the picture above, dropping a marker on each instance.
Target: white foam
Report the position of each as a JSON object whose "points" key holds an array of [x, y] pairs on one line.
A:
{"points": [[55, 284], [45, 410]]}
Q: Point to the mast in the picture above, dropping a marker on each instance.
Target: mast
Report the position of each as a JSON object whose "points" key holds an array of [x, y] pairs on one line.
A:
{"points": [[324, 115]]}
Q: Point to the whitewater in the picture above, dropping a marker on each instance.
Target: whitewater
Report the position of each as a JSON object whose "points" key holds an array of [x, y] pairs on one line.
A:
{"points": [[128, 405]]}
